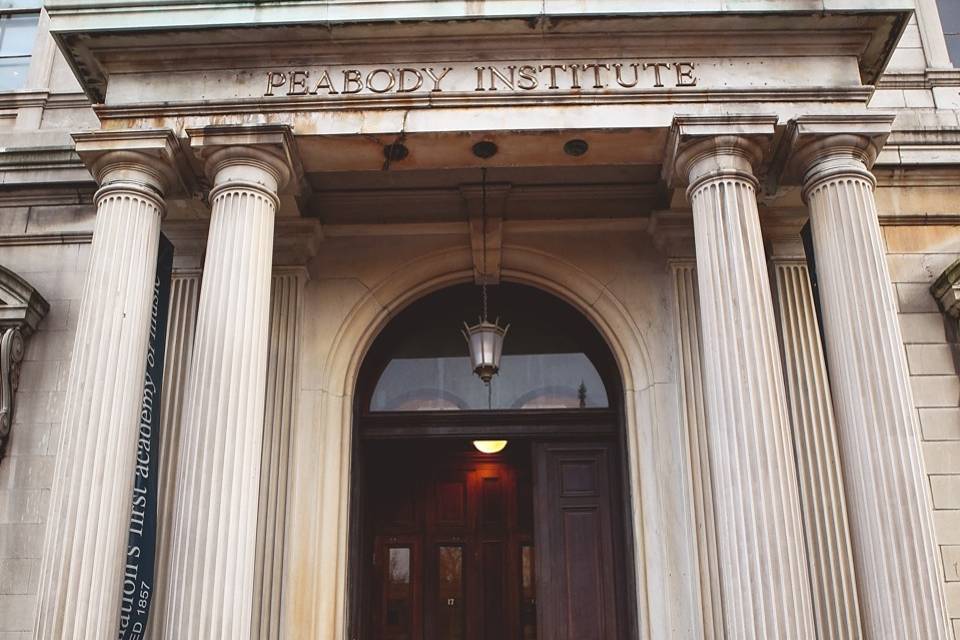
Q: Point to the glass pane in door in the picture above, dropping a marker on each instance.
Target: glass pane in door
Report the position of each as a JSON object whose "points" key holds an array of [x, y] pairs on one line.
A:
{"points": [[399, 596], [450, 605], [528, 593]]}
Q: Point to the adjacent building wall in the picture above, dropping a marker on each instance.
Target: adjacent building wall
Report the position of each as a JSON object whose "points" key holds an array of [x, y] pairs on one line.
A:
{"points": [[26, 473], [916, 256]]}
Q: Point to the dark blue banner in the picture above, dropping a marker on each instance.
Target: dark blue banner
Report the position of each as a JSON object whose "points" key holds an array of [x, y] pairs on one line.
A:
{"points": [[142, 541]]}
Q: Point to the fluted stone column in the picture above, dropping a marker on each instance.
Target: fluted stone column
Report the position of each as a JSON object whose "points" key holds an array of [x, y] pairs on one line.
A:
{"points": [[215, 520], [86, 538], [835, 605], [901, 596], [763, 571]]}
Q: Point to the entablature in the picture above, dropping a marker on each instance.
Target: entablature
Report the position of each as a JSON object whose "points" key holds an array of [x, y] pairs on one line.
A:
{"points": [[189, 51]]}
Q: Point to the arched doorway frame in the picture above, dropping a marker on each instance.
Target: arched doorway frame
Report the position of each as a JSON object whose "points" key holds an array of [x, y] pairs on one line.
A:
{"points": [[315, 585]]}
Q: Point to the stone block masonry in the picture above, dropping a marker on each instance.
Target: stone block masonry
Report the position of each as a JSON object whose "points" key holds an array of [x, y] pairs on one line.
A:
{"points": [[931, 343], [26, 473]]}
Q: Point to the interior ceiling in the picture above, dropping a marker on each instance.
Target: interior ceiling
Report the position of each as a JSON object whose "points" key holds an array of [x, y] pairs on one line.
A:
{"points": [[436, 195]]}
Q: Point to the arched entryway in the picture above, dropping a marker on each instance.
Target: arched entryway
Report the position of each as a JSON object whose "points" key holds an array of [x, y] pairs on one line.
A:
{"points": [[448, 542]]}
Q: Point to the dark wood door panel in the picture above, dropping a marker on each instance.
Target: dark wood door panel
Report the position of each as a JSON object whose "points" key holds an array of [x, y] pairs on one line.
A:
{"points": [[575, 542], [460, 520]]}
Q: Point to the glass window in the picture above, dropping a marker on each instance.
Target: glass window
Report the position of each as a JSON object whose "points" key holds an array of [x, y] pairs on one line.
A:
{"points": [[550, 357], [18, 27], [950, 20]]}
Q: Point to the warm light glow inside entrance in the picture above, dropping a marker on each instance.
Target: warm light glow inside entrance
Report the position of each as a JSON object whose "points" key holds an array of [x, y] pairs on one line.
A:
{"points": [[490, 446]]}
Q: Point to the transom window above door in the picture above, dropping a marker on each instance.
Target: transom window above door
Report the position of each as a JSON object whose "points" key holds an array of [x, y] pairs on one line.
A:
{"points": [[552, 357]]}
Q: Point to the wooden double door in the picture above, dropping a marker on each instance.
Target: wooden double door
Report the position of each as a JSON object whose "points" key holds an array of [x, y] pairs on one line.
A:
{"points": [[519, 545]]}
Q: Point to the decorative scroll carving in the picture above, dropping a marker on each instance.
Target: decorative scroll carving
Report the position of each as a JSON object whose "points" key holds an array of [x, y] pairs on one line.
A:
{"points": [[21, 310], [946, 290], [11, 353]]}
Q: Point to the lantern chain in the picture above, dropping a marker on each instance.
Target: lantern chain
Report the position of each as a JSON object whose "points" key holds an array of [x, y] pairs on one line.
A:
{"points": [[483, 276], [483, 230]]}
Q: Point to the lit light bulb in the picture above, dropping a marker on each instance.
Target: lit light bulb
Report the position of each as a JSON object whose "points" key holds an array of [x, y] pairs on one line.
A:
{"points": [[490, 446]]}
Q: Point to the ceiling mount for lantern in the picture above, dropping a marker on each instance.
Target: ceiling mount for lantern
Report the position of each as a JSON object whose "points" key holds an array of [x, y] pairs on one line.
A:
{"points": [[485, 149], [485, 338]]}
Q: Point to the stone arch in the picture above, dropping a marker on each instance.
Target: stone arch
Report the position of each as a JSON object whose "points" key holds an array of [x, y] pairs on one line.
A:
{"points": [[316, 595]]}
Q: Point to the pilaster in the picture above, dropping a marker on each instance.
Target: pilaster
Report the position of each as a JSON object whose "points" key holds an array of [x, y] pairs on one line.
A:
{"points": [[184, 298], [212, 567], [286, 301], [835, 604], [693, 412], [764, 579], [85, 544], [891, 527]]}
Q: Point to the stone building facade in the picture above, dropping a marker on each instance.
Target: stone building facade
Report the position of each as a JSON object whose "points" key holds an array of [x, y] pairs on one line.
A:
{"points": [[725, 235]]}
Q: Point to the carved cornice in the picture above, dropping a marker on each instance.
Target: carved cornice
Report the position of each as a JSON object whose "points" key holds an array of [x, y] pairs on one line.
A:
{"points": [[21, 310], [126, 37]]}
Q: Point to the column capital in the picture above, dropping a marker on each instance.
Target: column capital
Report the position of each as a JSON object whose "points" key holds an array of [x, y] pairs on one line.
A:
{"points": [[262, 156], [699, 147], [150, 161], [814, 148]]}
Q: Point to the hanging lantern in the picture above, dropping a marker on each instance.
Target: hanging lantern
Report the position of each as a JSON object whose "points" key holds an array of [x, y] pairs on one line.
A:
{"points": [[485, 340]]}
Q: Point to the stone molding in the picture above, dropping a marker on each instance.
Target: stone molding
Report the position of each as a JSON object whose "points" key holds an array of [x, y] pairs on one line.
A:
{"points": [[21, 310]]}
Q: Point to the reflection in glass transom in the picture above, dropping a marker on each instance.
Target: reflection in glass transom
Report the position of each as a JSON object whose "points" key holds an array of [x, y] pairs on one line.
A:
{"points": [[548, 360]]}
